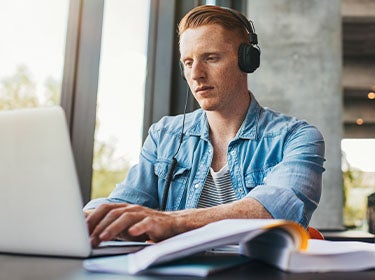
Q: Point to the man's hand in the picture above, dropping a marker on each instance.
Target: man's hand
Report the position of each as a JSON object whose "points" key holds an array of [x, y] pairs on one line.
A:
{"points": [[130, 222], [135, 222], [88, 212]]}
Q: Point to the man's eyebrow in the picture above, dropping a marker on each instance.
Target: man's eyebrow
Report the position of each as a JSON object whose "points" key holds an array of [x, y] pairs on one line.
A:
{"points": [[211, 53], [205, 54]]}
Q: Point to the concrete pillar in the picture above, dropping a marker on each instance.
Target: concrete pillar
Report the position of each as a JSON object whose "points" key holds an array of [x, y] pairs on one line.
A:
{"points": [[300, 75]]}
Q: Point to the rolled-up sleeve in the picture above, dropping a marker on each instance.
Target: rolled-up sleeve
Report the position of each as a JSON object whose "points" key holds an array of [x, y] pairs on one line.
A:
{"points": [[292, 189]]}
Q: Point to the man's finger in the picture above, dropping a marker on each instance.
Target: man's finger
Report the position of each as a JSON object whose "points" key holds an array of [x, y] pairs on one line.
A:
{"points": [[120, 225], [96, 216]]}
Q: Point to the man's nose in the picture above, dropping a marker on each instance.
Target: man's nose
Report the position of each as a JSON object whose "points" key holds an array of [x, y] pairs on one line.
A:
{"points": [[198, 70]]}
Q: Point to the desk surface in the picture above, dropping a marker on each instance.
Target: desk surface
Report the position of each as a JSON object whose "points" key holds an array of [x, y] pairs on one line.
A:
{"points": [[13, 267]]}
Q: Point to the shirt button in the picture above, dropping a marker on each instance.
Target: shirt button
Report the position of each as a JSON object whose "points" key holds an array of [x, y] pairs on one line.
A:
{"points": [[233, 153], [240, 190], [197, 186]]}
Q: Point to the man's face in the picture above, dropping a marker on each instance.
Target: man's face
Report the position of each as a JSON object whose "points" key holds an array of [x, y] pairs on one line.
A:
{"points": [[209, 54]]}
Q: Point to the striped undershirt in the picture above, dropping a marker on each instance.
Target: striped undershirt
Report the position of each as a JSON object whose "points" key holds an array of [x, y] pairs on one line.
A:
{"points": [[217, 189]]}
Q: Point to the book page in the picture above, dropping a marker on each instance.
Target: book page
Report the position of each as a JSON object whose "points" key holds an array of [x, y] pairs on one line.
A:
{"points": [[273, 247], [325, 247], [216, 234], [324, 256]]}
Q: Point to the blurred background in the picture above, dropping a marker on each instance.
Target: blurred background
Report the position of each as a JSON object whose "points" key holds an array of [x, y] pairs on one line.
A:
{"points": [[112, 65]]}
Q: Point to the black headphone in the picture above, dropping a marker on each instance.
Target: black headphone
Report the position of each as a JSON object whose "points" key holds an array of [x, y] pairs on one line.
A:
{"points": [[248, 54]]}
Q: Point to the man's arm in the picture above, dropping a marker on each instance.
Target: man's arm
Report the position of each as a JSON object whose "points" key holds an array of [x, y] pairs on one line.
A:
{"points": [[291, 190], [134, 222]]}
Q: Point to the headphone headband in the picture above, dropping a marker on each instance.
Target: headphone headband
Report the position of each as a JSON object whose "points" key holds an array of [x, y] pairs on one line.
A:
{"points": [[248, 24]]}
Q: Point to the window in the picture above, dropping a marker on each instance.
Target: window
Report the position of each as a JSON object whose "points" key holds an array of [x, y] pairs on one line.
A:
{"points": [[92, 57], [358, 145], [120, 104], [31, 52], [359, 179]]}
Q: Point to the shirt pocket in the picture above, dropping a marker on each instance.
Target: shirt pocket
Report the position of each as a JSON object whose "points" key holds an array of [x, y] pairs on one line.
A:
{"points": [[178, 183]]}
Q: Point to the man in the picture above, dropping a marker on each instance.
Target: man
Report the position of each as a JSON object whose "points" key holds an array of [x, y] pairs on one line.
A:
{"points": [[236, 159]]}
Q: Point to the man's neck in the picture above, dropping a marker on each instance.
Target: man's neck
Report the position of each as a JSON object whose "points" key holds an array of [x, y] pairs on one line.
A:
{"points": [[225, 124], [223, 128]]}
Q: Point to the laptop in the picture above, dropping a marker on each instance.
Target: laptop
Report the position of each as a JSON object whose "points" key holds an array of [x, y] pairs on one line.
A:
{"points": [[40, 199]]}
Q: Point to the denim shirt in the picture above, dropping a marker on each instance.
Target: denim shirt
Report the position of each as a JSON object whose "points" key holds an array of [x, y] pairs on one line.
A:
{"points": [[274, 159]]}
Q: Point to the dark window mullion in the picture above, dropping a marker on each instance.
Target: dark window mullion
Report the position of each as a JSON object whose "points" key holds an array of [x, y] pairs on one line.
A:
{"points": [[80, 83]]}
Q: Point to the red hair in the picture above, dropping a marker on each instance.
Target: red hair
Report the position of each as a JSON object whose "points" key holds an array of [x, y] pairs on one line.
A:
{"points": [[208, 14]]}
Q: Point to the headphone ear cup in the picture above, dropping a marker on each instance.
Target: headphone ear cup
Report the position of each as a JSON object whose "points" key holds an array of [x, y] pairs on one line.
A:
{"points": [[248, 58]]}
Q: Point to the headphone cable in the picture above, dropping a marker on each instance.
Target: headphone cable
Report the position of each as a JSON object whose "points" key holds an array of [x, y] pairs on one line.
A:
{"points": [[174, 160]]}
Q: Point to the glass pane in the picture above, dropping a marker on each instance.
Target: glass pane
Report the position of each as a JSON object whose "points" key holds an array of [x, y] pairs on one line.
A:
{"points": [[358, 168], [122, 72], [31, 52]]}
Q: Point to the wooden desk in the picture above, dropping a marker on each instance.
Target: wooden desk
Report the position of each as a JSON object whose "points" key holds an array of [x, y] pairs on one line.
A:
{"points": [[13, 267]]}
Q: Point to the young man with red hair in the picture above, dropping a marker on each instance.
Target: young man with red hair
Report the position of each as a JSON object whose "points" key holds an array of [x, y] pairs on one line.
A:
{"points": [[236, 159]]}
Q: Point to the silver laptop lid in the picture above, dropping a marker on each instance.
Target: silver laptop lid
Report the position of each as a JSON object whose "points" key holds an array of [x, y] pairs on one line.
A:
{"points": [[40, 200]]}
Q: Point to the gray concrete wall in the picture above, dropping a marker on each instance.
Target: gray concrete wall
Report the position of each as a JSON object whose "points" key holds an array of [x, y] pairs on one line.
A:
{"points": [[300, 75]]}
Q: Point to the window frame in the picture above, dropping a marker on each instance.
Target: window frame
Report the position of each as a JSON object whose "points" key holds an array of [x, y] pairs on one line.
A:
{"points": [[81, 72], [80, 83]]}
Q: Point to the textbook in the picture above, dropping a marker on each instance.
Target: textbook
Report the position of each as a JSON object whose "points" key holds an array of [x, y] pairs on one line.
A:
{"points": [[167, 257], [227, 243]]}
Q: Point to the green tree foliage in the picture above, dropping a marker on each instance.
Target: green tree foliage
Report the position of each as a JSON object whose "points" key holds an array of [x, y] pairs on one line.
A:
{"points": [[104, 177], [354, 214], [356, 189], [20, 91], [53, 91]]}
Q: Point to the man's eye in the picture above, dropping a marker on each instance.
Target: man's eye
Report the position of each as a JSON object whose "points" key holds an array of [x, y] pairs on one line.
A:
{"points": [[212, 58], [188, 64]]}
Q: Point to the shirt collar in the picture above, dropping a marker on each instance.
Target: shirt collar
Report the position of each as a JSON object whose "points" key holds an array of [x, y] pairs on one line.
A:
{"points": [[248, 129]]}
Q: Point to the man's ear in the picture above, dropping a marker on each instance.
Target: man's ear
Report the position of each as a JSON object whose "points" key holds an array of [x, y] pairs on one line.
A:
{"points": [[182, 72]]}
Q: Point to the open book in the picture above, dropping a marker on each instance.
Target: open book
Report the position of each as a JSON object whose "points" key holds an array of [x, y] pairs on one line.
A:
{"points": [[161, 257], [281, 243]]}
